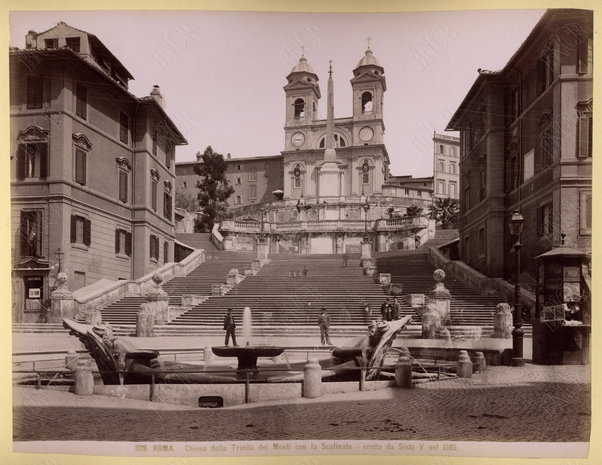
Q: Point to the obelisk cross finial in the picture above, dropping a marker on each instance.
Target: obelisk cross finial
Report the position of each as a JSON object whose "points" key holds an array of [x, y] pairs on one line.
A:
{"points": [[302, 51], [330, 68], [369, 39]]}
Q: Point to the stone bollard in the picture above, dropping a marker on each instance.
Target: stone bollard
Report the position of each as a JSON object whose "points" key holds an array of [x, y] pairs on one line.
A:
{"points": [[403, 372], [84, 381], [71, 360], [208, 356], [464, 365], [431, 321], [312, 379], [480, 362]]}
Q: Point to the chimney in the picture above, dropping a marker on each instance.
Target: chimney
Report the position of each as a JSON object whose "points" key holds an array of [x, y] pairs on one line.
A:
{"points": [[30, 39], [156, 95]]}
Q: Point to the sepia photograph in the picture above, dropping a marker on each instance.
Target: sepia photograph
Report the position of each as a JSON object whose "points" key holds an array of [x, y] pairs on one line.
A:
{"points": [[252, 234]]}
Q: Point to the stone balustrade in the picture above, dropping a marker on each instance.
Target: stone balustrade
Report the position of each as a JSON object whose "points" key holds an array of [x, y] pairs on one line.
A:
{"points": [[234, 226]]}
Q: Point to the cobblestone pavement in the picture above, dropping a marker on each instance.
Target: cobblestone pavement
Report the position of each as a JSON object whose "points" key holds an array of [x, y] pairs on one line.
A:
{"points": [[531, 403]]}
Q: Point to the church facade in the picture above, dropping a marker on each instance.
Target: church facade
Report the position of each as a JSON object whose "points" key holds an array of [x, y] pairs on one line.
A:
{"points": [[330, 188]]}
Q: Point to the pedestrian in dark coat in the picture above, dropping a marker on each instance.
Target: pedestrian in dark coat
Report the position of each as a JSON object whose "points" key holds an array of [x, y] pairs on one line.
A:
{"points": [[324, 324], [386, 310], [396, 309], [230, 327]]}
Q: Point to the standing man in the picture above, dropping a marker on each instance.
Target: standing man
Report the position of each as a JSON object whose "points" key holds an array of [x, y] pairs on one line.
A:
{"points": [[324, 324], [385, 310], [396, 309], [345, 259], [230, 327]]}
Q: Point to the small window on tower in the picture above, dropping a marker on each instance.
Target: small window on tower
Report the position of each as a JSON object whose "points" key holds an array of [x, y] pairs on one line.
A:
{"points": [[73, 43], [299, 108], [366, 102], [51, 43]]}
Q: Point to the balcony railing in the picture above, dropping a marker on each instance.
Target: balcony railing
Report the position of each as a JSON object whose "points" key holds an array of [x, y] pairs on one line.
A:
{"points": [[254, 227]]}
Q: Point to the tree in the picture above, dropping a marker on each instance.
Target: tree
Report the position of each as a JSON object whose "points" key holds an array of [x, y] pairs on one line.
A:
{"points": [[413, 210], [393, 213], [214, 189], [186, 201], [445, 212]]}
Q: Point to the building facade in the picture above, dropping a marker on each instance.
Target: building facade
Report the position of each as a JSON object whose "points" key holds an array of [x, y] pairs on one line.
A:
{"points": [[92, 169], [446, 167], [526, 145], [331, 185]]}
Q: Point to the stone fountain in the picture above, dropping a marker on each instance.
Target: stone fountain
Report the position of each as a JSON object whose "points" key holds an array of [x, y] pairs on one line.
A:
{"points": [[121, 362], [248, 353]]}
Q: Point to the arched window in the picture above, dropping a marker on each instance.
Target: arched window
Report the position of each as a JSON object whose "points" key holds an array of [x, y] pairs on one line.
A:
{"points": [[339, 141], [366, 102], [299, 108]]}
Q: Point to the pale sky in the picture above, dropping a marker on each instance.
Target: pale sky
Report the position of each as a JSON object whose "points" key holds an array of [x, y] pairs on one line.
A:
{"points": [[222, 73]]}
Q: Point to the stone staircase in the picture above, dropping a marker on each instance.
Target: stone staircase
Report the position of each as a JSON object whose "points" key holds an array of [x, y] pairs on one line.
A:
{"points": [[283, 301], [414, 272], [198, 282], [442, 236], [197, 241], [279, 295]]}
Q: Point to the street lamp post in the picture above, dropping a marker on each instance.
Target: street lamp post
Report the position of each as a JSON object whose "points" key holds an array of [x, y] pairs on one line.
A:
{"points": [[59, 256], [516, 228], [366, 207]]}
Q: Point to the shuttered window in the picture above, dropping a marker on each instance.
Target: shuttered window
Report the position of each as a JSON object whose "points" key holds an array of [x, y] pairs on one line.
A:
{"points": [[81, 230], [32, 161], [123, 242]]}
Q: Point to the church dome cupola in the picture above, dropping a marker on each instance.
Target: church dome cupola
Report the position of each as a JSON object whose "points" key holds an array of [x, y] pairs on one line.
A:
{"points": [[369, 64], [302, 96], [303, 67], [368, 60]]}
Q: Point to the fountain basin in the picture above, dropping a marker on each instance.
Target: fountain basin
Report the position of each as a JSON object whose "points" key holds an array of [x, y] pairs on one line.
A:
{"points": [[247, 355]]}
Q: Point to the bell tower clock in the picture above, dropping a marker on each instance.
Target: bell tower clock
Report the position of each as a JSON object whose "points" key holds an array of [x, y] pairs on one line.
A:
{"points": [[302, 96]]}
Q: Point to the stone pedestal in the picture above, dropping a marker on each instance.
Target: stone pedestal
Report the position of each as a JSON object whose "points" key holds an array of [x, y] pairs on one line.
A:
{"points": [[329, 179], [366, 253], [62, 302], [312, 379], [370, 270], [502, 321], [262, 251], [441, 297], [431, 321], [145, 320], [158, 302], [228, 243]]}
